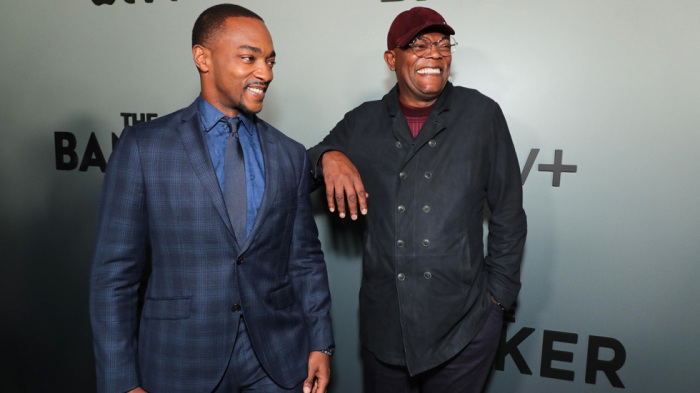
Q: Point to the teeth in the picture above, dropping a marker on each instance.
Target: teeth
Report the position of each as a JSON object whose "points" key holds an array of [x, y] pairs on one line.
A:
{"points": [[256, 90], [429, 71]]}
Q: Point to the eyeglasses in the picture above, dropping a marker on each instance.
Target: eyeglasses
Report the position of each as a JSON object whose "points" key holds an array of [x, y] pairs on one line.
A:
{"points": [[422, 47]]}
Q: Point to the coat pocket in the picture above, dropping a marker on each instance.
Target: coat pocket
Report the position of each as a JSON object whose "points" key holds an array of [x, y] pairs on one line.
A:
{"points": [[283, 297], [167, 308]]}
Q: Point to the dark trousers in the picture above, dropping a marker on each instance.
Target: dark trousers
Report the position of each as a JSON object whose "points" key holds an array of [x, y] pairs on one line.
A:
{"points": [[464, 373], [245, 373]]}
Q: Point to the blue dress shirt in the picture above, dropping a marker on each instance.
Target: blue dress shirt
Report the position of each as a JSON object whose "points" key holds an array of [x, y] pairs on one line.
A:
{"points": [[215, 132]]}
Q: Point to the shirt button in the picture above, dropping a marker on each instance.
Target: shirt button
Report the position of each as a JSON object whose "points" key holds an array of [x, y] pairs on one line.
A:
{"points": [[432, 143], [426, 209], [401, 208], [236, 308], [401, 276], [403, 175], [427, 275], [398, 144], [399, 243], [425, 242], [428, 175]]}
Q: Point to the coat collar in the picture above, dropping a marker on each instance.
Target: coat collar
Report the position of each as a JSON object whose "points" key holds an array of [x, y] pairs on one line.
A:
{"points": [[434, 124], [391, 99]]}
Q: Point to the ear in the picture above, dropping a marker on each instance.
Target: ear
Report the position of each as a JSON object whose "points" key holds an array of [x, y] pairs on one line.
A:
{"points": [[390, 58], [200, 55]]}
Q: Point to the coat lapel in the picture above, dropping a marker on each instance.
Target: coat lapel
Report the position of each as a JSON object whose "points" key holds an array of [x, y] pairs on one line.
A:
{"points": [[272, 172], [433, 124], [198, 153]]}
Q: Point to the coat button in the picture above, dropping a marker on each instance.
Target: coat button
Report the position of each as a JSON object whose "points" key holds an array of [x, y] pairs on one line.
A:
{"points": [[398, 144], [401, 208], [236, 308], [428, 175], [239, 260], [425, 242], [403, 175], [399, 243], [401, 276], [432, 143], [426, 209], [427, 275]]}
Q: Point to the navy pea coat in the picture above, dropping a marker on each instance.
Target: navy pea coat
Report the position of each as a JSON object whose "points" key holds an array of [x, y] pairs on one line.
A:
{"points": [[427, 284]]}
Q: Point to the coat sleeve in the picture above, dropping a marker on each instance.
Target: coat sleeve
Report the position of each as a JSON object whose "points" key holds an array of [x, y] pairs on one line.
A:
{"points": [[308, 269], [118, 261], [337, 139], [508, 223]]}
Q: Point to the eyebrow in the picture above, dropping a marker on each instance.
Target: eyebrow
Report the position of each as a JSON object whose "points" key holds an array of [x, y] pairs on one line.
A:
{"points": [[256, 50]]}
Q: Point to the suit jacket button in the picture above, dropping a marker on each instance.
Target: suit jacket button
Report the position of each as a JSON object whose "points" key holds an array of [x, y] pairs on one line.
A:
{"points": [[401, 277], [239, 260], [236, 308]]}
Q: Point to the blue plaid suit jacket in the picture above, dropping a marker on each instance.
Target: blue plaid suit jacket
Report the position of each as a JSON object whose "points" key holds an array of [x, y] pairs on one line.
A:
{"points": [[161, 200]]}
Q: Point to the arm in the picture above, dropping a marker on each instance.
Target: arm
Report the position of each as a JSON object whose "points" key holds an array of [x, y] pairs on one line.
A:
{"points": [[341, 177], [120, 254], [508, 223], [308, 272]]}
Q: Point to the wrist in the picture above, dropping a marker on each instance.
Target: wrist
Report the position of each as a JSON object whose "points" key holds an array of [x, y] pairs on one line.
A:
{"points": [[328, 351]]}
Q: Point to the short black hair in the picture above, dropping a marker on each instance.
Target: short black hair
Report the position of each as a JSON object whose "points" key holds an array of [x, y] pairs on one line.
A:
{"points": [[210, 22]]}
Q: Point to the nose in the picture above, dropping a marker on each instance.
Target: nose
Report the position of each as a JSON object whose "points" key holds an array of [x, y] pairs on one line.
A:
{"points": [[433, 51], [264, 72]]}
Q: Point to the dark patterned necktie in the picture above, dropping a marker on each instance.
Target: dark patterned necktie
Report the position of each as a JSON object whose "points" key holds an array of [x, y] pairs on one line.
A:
{"points": [[235, 190]]}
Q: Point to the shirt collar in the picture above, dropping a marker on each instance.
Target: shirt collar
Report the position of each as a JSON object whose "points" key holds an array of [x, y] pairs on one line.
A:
{"points": [[210, 116]]}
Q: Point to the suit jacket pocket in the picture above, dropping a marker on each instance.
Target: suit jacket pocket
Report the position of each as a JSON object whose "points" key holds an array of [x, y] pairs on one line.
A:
{"points": [[167, 308], [283, 297]]}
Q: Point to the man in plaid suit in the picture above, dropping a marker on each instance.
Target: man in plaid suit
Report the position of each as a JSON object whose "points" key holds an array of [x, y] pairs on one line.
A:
{"points": [[224, 310]]}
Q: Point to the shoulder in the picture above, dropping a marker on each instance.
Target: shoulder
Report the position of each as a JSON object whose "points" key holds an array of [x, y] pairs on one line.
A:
{"points": [[470, 96], [277, 136], [169, 121]]}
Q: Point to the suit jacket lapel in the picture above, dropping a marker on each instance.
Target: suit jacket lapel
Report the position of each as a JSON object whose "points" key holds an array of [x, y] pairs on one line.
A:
{"points": [[197, 151], [272, 172]]}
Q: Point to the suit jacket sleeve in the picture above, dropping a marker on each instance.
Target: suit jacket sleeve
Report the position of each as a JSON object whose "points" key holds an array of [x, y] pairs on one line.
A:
{"points": [[308, 269], [120, 254], [508, 223]]}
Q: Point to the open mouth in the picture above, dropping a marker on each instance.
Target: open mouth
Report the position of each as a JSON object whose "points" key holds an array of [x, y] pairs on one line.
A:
{"points": [[257, 89], [429, 71]]}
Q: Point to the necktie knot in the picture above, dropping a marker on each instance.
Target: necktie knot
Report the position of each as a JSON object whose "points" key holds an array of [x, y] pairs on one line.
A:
{"points": [[233, 124]]}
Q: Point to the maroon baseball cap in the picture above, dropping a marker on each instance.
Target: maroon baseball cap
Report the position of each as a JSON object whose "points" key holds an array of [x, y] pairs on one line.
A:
{"points": [[409, 23]]}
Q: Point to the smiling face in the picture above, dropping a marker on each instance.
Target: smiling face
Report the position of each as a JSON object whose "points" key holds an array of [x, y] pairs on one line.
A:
{"points": [[421, 80], [235, 67]]}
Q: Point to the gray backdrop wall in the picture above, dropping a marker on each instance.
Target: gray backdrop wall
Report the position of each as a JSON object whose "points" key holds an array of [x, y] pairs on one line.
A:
{"points": [[601, 98]]}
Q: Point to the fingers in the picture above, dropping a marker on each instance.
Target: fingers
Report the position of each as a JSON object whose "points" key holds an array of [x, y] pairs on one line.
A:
{"points": [[320, 385]]}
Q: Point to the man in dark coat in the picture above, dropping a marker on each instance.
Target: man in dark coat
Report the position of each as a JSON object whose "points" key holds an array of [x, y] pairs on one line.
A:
{"points": [[431, 156]]}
